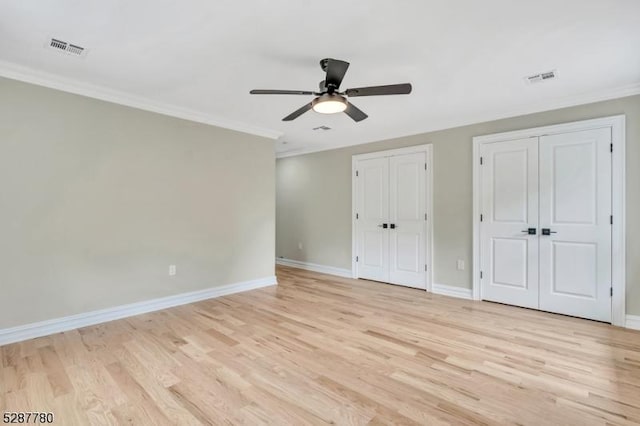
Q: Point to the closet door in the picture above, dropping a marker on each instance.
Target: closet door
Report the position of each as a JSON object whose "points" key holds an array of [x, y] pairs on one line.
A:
{"points": [[373, 210], [509, 227], [407, 232], [575, 209]]}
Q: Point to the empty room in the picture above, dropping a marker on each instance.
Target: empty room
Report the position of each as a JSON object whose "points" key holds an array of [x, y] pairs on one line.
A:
{"points": [[292, 213]]}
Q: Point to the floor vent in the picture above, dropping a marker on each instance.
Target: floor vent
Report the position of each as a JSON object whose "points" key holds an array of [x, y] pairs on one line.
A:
{"points": [[68, 48], [543, 76]]}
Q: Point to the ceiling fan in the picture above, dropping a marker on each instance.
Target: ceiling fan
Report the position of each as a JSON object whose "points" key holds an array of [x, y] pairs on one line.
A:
{"points": [[329, 100]]}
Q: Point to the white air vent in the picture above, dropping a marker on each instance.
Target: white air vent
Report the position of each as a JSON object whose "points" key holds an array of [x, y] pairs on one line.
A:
{"points": [[543, 76], [322, 128], [66, 47]]}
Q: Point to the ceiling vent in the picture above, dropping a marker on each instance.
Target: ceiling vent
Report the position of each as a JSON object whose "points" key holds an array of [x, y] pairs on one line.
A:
{"points": [[322, 128], [543, 76], [66, 47]]}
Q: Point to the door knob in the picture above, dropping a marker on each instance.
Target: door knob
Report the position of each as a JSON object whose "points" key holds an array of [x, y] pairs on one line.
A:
{"points": [[392, 226], [530, 231], [547, 231], [384, 225]]}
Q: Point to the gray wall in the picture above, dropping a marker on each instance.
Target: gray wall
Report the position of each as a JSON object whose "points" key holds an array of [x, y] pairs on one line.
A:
{"points": [[97, 200], [313, 194]]}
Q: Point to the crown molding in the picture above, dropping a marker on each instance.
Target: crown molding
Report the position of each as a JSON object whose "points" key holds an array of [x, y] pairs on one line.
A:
{"points": [[566, 102], [40, 78]]}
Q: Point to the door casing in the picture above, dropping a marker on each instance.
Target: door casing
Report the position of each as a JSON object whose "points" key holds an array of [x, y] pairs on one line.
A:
{"points": [[617, 125], [428, 150]]}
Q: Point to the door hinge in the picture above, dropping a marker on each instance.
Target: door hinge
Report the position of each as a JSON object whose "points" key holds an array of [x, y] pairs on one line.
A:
{"points": [[611, 291], [356, 173], [611, 220], [425, 267], [611, 148], [425, 216], [481, 218], [357, 216], [480, 274], [356, 258], [481, 161], [425, 166]]}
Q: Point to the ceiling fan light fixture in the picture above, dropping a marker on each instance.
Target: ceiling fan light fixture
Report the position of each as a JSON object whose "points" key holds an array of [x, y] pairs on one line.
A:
{"points": [[329, 104]]}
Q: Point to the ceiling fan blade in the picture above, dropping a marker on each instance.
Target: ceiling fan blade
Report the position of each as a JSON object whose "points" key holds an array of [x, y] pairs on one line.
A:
{"points": [[280, 92], [336, 70], [297, 113], [392, 89], [355, 113]]}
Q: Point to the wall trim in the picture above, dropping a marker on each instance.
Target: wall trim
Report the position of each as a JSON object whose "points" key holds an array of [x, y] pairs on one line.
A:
{"points": [[40, 78], [452, 291], [633, 322], [57, 325], [618, 176], [323, 269], [488, 116], [52, 81]]}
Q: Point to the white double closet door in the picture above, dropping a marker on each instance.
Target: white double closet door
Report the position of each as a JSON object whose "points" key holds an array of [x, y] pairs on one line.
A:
{"points": [[546, 230], [391, 219]]}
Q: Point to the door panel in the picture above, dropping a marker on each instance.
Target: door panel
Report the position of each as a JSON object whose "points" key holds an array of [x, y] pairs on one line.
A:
{"points": [[510, 207], [575, 205], [511, 267], [569, 280], [372, 200], [572, 180], [407, 212], [510, 186], [407, 248], [373, 253]]}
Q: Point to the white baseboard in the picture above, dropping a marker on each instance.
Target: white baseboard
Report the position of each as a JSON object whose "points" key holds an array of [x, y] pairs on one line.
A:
{"points": [[633, 322], [449, 290], [331, 270], [57, 325]]}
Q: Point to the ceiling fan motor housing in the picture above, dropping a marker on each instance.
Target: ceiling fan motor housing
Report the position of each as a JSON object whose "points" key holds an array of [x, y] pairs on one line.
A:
{"points": [[323, 64]]}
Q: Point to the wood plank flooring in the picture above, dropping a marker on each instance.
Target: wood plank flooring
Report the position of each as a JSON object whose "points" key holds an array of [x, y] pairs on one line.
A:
{"points": [[319, 349]]}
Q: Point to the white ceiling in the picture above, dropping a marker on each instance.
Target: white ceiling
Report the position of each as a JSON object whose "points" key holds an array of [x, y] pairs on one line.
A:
{"points": [[466, 59]]}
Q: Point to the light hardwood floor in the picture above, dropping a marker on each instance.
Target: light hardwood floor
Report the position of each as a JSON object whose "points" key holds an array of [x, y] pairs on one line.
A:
{"points": [[320, 349]]}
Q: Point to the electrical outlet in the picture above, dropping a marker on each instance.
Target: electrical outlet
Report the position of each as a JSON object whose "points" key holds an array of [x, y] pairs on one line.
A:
{"points": [[460, 265], [172, 270]]}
